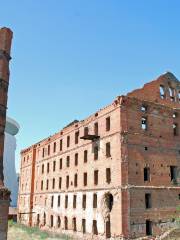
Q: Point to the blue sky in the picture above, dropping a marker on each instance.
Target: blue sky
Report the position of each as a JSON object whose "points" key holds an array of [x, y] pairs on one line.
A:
{"points": [[72, 57]]}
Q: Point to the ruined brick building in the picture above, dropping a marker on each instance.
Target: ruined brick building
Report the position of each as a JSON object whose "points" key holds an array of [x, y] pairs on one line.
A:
{"points": [[114, 174], [5, 46]]}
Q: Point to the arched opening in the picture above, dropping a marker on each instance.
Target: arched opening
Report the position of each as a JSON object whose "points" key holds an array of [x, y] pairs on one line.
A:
{"points": [[109, 201]]}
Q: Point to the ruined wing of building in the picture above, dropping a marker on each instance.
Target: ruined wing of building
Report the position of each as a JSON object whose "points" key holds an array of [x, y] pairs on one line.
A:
{"points": [[5, 46], [114, 174]]}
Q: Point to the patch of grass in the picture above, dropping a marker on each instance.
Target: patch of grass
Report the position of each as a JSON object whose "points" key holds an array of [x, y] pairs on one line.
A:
{"points": [[35, 231]]}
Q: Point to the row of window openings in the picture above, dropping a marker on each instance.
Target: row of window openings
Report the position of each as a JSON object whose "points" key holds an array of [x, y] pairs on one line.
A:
{"points": [[96, 149], [86, 131], [74, 201], [172, 93], [85, 180], [148, 201], [173, 174], [94, 225], [144, 126]]}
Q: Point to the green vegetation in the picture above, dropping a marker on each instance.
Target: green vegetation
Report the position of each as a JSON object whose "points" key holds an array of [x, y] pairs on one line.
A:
{"points": [[24, 232]]}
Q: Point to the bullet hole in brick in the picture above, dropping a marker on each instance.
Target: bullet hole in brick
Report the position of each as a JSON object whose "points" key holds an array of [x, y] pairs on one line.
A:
{"points": [[136, 173], [145, 148], [136, 164], [161, 165]]}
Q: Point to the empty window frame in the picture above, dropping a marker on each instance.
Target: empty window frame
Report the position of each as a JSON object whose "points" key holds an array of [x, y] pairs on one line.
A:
{"points": [[54, 147], [148, 200], [49, 150], [175, 115], [47, 167], [108, 124], [148, 228], [43, 153], [75, 180], [61, 145], [95, 230], [86, 131], [65, 223], [94, 200], [76, 137], [59, 200], [96, 149], [84, 225], [74, 201], [66, 201], [67, 181], [42, 185], [84, 201], [85, 179], [173, 173], [52, 221], [44, 219], [175, 129], [76, 159], [96, 130], [74, 224], [146, 174], [60, 182], [96, 177], [42, 168], [179, 95], [54, 166], [108, 175], [52, 201], [144, 124], [58, 222], [53, 183], [143, 108], [47, 184], [67, 161], [172, 94], [60, 163], [108, 149], [85, 156], [162, 92], [68, 141]]}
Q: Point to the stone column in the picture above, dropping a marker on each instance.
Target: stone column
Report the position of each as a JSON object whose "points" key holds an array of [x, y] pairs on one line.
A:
{"points": [[5, 47]]}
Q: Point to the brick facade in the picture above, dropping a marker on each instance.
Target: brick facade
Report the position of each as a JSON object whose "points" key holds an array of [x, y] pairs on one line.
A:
{"points": [[5, 46], [120, 180]]}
